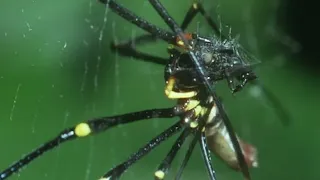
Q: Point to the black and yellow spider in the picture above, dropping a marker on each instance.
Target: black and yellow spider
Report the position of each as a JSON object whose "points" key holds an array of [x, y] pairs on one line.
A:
{"points": [[195, 63]]}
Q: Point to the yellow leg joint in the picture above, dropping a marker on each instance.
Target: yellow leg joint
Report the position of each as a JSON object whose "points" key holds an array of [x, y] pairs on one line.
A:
{"points": [[194, 124], [197, 111], [82, 129], [180, 95], [170, 46], [177, 95], [192, 104], [180, 43], [203, 111], [159, 174], [195, 5]]}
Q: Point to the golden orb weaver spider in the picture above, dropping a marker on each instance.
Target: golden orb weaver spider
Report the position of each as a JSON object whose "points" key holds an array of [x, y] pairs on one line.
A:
{"points": [[195, 63]]}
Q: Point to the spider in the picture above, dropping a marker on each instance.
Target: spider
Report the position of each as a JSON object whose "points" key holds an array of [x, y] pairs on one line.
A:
{"points": [[195, 63]]}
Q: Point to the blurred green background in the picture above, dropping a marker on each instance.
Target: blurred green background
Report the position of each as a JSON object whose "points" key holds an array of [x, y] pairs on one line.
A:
{"points": [[56, 70]]}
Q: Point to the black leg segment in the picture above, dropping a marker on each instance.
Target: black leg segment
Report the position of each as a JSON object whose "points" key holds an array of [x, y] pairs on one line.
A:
{"points": [[193, 11], [115, 173], [138, 21], [127, 48], [86, 128]]}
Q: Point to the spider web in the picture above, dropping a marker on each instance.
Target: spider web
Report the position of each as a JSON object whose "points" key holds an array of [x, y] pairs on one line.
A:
{"points": [[57, 70]]}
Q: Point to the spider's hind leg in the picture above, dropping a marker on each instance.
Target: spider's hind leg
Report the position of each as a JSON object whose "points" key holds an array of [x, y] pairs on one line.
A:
{"points": [[117, 171]]}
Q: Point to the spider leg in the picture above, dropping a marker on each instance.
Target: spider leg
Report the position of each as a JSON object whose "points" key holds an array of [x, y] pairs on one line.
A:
{"points": [[116, 172], [139, 21], [203, 75], [87, 128], [188, 154], [127, 48], [164, 167], [207, 157], [195, 8]]}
